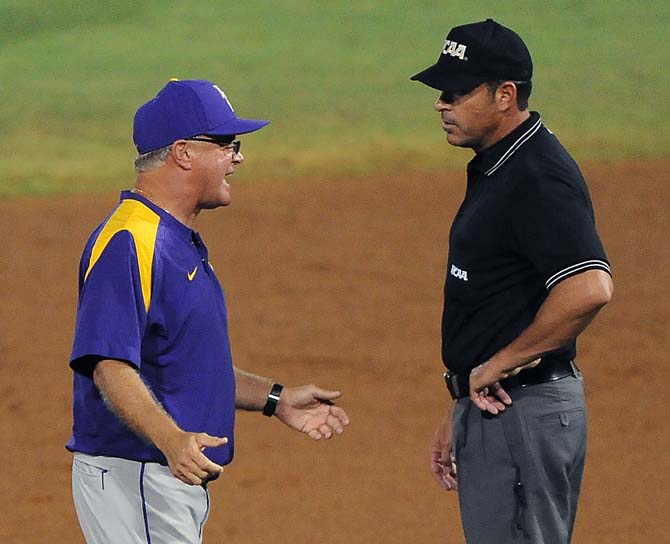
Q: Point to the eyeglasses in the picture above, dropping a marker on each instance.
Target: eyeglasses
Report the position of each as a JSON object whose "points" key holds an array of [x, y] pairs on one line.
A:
{"points": [[224, 144]]}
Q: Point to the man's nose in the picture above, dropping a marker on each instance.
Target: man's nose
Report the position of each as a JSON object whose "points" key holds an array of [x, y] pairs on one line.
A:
{"points": [[441, 105]]}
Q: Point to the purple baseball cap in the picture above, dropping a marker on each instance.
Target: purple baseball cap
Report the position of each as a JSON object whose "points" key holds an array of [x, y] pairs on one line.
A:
{"points": [[186, 108]]}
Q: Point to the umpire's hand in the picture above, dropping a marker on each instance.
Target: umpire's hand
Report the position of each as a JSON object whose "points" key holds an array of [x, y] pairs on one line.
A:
{"points": [[485, 389], [442, 461]]}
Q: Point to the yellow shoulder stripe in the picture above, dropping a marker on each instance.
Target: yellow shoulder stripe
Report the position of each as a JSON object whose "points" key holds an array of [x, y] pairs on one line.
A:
{"points": [[142, 223]]}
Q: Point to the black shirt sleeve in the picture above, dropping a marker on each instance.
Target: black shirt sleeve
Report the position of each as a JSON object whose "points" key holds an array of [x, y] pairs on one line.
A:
{"points": [[553, 223]]}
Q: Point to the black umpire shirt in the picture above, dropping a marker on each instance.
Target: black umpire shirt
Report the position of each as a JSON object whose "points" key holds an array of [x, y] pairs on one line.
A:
{"points": [[525, 225]]}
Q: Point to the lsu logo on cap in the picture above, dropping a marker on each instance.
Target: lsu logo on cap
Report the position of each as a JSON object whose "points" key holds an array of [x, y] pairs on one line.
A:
{"points": [[223, 95], [454, 49]]}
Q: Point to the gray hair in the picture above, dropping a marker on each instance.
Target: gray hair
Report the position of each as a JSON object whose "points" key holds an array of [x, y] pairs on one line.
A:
{"points": [[152, 160]]}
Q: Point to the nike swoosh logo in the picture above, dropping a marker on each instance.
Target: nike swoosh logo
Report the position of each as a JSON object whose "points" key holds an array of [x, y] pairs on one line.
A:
{"points": [[191, 275]]}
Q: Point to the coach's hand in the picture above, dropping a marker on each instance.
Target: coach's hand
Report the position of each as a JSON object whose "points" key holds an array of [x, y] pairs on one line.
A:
{"points": [[442, 460], [310, 410], [185, 457]]}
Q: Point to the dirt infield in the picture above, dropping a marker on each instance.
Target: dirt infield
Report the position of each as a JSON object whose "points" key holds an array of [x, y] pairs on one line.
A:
{"points": [[339, 282]]}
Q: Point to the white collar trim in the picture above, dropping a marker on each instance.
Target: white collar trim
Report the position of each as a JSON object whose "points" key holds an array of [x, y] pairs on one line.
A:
{"points": [[515, 146]]}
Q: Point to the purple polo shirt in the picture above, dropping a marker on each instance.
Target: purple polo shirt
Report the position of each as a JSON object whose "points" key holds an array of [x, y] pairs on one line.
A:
{"points": [[148, 296]]}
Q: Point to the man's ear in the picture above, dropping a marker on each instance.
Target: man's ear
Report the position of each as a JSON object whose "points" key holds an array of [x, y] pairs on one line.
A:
{"points": [[182, 154], [506, 96]]}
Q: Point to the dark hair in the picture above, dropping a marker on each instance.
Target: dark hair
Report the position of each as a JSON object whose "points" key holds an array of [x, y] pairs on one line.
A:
{"points": [[523, 89]]}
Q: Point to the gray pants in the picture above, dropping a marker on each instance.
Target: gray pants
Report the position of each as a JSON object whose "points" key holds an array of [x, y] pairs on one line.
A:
{"points": [[519, 473], [126, 501]]}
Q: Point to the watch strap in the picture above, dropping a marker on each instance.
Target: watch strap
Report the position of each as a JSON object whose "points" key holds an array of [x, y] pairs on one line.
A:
{"points": [[272, 400]]}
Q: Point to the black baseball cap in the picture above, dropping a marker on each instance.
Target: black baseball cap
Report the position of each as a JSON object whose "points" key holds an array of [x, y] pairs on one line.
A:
{"points": [[475, 53]]}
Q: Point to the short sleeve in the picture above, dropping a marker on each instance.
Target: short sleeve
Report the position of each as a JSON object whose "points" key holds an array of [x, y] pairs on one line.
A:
{"points": [[111, 315], [554, 226]]}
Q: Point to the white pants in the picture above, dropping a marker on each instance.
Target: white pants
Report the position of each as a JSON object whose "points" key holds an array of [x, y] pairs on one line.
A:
{"points": [[121, 501]]}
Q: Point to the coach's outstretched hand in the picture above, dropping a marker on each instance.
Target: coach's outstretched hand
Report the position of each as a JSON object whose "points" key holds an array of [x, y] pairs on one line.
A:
{"points": [[310, 410]]}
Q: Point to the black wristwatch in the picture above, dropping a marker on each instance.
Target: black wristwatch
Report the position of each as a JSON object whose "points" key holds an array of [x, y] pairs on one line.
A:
{"points": [[273, 399]]}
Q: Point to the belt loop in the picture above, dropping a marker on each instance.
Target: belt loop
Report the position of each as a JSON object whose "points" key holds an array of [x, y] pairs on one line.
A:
{"points": [[575, 371]]}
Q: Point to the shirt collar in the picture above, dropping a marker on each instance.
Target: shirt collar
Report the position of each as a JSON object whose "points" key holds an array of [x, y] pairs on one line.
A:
{"points": [[168, 219], [490, 159]]}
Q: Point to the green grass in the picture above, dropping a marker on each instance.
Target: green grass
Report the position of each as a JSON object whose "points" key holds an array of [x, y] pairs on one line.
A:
{"points": [[332, 77]]}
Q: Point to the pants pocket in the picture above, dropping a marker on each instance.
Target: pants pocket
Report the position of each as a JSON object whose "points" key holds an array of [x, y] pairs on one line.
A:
{"points": [[90, 471], [560, 438], [459, 426]]}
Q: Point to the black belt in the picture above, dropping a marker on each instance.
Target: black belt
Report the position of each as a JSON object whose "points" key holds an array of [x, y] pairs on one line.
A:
{"points": [[548, 370]]}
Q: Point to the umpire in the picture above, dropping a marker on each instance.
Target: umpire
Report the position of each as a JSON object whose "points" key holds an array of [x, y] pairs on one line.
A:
{"points": [[526, 275]]}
